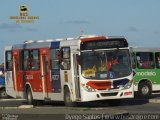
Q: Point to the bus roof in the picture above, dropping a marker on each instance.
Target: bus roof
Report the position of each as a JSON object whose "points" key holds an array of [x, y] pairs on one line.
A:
{"points": [[54, 43], [91, 38], [143, 49], [9, 47], [31, 45]]}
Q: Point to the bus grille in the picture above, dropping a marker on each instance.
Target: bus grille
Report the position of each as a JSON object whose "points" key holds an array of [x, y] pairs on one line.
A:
{"points": [[109, 94]]}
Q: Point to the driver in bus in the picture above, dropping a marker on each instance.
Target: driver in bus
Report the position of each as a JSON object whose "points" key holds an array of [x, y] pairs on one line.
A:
{"points": [[112, 61]]}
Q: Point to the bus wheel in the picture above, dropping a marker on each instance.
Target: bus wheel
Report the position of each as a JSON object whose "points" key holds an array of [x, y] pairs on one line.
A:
{"points": [[30, 100], [115, 102], [3, 94], [144, 90], [67, 98]]}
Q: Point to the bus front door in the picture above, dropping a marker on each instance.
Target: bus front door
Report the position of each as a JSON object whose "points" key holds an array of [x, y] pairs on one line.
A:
{"points": [[76, 75], [44, 75], [17, 76]]}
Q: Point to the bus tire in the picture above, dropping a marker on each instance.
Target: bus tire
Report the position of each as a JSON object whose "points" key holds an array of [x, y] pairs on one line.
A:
{"points": [[115, 102], [67, 98], [3, 94], [30, 100], [144, 90]]}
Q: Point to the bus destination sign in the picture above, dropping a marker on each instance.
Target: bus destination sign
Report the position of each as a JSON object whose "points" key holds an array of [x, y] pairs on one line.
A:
{"points": [[104, 44]]}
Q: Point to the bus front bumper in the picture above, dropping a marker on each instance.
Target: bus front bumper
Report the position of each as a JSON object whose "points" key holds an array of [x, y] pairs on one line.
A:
{"points": [[104, 95]]}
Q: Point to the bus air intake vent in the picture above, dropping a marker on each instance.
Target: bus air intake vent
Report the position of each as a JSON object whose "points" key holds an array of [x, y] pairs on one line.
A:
{"points": [[109, 94]]}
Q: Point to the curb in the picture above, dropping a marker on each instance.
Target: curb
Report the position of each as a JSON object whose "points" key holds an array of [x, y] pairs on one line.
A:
{"points": [[154, 100], [12, 99], [25, 106], [19, 107]]}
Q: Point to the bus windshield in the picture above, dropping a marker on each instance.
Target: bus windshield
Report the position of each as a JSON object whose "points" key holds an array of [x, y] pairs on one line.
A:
{"points": [[103, 65]]}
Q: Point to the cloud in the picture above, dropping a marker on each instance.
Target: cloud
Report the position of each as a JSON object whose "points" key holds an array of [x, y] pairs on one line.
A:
{"points": [[77, 22], [12, 27], [133, 29]]}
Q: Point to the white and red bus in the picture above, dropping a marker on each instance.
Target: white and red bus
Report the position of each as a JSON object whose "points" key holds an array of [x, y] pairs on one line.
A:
{"points": [[86, 68]]}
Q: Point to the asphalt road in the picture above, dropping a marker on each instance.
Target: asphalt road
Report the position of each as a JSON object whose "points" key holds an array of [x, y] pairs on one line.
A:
{"points": [[15, 109]]}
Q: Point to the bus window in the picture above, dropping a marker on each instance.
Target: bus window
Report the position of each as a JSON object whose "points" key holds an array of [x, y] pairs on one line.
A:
{"points": [[145, 60], [157, 58], [35, 64], [55, 60], [65, 61], [8, 60], [25, 57]]}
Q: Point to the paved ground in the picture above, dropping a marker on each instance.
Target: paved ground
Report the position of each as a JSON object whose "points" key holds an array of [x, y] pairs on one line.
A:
{"points": [[18, 110], [58, 111]]}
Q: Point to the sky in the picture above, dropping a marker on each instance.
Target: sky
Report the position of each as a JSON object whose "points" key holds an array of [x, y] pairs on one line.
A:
{"points": [[137, 20]]}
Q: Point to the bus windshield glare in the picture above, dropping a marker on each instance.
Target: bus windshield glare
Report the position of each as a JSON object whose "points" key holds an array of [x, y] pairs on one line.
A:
{"points": [[101, 65]]}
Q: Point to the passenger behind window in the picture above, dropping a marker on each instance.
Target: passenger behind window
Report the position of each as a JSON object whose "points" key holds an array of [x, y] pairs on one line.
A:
{"points": [[158, 61], [139, 62], [146, 64]]}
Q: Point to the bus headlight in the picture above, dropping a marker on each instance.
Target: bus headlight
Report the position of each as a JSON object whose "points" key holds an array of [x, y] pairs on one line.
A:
{"points": [[88, 88], [128, 85]]}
